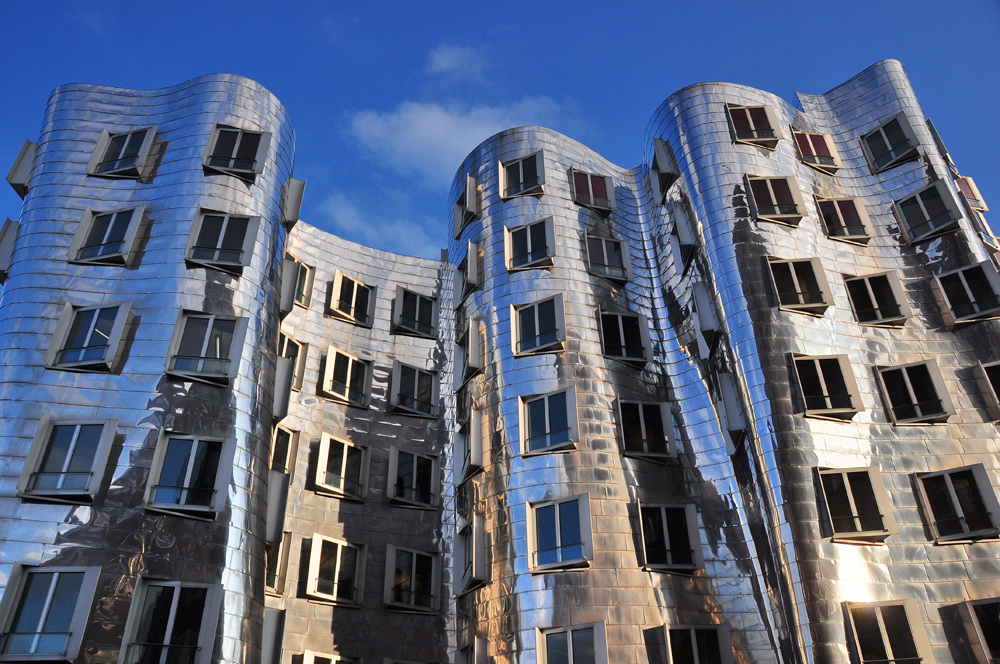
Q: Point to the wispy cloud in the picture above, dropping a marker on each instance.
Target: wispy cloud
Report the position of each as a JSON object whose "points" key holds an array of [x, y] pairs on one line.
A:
{"points": [[405, 236], [456, 61]]}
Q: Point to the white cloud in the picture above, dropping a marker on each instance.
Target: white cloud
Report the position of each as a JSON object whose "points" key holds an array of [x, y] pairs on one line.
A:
{"points": [[458, 61], [403, 236]]}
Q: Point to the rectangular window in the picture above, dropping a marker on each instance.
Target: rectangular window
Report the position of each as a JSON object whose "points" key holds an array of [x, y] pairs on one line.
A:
{"points": [[88, 339], [352, 300], [414, 391], [239, 152], [817, 150], [801, 285], [960, 503], [523, 176], [471, 445], [593, 191], [474, 652], [123, 155], [857, 504], [222, 241], [890, 145], [296, 352], [877, 299], [538, 327], [756, 125], [190, 475], [827, 385], [414, 478], [276, 564], [466, 205], [530, 246], [845, 219], [207, 347], [930, 212], [470, 554], [916, 393], [647, 429], [346, 378], [559, 534], [548, 422], [989, 383], [411, 579], [887, 632], [470, 275], [625, 337], [106, 238], [970, 191], [970, 293], [579, 644], [699, 645], [776, 199], [414, 314], [67, 460], [283, 450], [171, 622], [336, 570], [302, 277], [342, 468], [609, 258], [472, 345], [982, 620], [670, 539]]}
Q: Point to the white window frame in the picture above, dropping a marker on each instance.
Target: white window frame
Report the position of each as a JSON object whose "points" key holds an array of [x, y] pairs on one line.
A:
{"points": [[878, 489], [260, 157], [600, 641], [470, 275], [467, 205], [763, 141], [722, 635], [287, 465], [975, 201], [473, 349], [470, 555], [532, 189], [390, 578], [902, 153], [137, 169], [407, 404], [937, 380], [983, 485], [862, 236], [772, 213], [828, 408], [299, 368], [814, 161], [210, 615], [816, 308], [918, 634], [586, 198], [323, 463], [667, 421], [556, 345], [602, 269], [120, 257], [223, 476], [647, 344], [694, 538], [988, 377], [393, 476], [471, 446], [300, 296], [280, 550], [895, 285], [331, 353], [940, 227], [586, 534], [108, 361], [984, 305], [352, 315], [573, 434], [40, 446], [204, 376], [399, 326], [542, 261], [219, 261], [312, 579]]}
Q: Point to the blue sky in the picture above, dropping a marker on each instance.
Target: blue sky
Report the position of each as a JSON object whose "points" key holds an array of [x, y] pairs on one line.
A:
{"points": [[389, 97]]}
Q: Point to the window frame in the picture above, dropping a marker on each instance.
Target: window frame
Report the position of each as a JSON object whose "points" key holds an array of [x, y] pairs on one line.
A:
{"points": [[573, 434], [223, 477], [937, 380], [987, 494], [909, 152], [814, 308], [666, 421], [694, 538], [536, 189], [470, 275], [434, 490], [284, 546], [586, 535], [790, 218], [840, 412], [396, 399], [662, 171], [411, 330], [389, 586], [600, 642], [128, 241], [589, 201], [471, 446], [312, 571], [647, 344], [40, 445], [767, 142], [722, 636], [975, 201], [975, 629], [555, 346], [912, 612], [948, 308], [235, 349], [209, 623], [863, 217], [898, 293], [246, 253], [546, 261], [334, 295], [473, 354], [471, 570], [323, 464], [299, 362], [260, 157], [947, 199], [331, 353], [301, 297], [882, 500], [989, 387], [813, 160], [603, 270], [137, 170], [288, 466], [467, 205], [110, 360]]}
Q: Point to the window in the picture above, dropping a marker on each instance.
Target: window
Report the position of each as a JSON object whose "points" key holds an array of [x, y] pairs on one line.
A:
{"points": [[845, 219], [776, 199], [982, 620], [801, 285], [609, 258], [470, 275], [877, 299], [663, 172], [523, 176], [67, 460], [530, 246], [540, 327], [473, 345], [283, 449], [968, 187], [190, 475], [276, 564], [470, 554], [548, 422], [969, 294], [411, 579], [699, 645], [817, 150], [559, 534], [471, 445], [593, 191], [171, 622], [647, 429], [206, 347], [890, 145], [960, 503], [88, 339], [352, 300], [857, 504], [916, 393], [123, 155], [346, 378], [414, 391], [336, 570], [238, 152], [296, 352], [988, 378], [466, 205], [302, 276], [579, 644], [670, 539], [222, 241], [625, 337], [474, 652], [312, 657], [827, 386], [342, 468], [756, 125], [106, 238], [930, 212], [414, 478], [887, 632], [414, 314]]}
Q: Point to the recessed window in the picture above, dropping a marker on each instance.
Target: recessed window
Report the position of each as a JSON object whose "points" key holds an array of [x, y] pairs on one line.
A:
{"points": [[930, 212], [412, 579], [756, 125], [670, 538], [123, 155], [346, 378], [336, 570], [647, 429], [827, 385], [413, 478], [916, 393], [283, 450], [530, 246], [970, 293], [887, 632], [67, 459], [470, 275], [982, 622], [106, 238], [801, 285], [559, 534], [236, 151], [877, 299], [276, 564], [292, 350], [817, 150], [190, 474], [206, 347], [526, 175], [970, 191], [579, 644], [172, 621], [960, 503], [699, 645], [776, 199], [539, 327], [592, 190], [471, 445], [414, 314], [472, 345], [470, 554], [609, 258], [845, 219], [548, 422], [302, 276], [989, 382], [625, 337], [352, 300], [414, 391], [223, 241], [88, 339], [857, 504], [890, 145], [466, 205], [342, 468]]}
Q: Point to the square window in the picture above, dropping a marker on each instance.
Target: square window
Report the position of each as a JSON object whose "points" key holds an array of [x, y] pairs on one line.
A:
{"points": [[414, 314], [670, 539], [891, 144], [470, 275], [592, 190], [523, 176], [122, 155], [845, 219], [342, 468], [414, 391], [170, 621], [284, 448], [930, 212], [559, 534], [106, 238], [857, 504], [817, 150], [466, 205], [190, 475], [276, 564], [578, 644], [700, 645], [235, 151], [755, 125], [801, 285], [67, 459], [970, 191], [206, 347], [222, 241], [539, 327], [887, 632], [296, 353], [470, 554], [877, 299], [44, 612], [351, 300], [609, 258], [647, 429], [471, 445], [625, 337], [775, 199], [336, 570], [472, 344], [969, 294], [915, 393], [412, 580], [548, 422], [530, 246], [414, 479], [346, 378], [88, 339], [827, 386], [982, 622], [960, 504]]}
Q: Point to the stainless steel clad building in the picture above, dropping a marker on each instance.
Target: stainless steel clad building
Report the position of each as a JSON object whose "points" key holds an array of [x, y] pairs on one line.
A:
{"points": [[733, 405]]}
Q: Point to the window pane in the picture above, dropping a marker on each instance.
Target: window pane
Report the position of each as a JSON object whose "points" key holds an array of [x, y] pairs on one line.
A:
{"points": [[220, 339], [681, 647], [897, 629], [173, 472], [529, 169], [519, 247], [708, 646], [988, 615], [758, 117], [654, 536], [210, 231], [348, 565], [539, 244], [537, 424], [155, 615], [80, 329], [582, 183], [558, 417], [741, 120], [819, 146], [868, 511], [545, 535], [970, 502], [583, 646], [225, 143], [187, 624], [869, 634], [248, 146], [677, 532], [570, 539], [206, 466], [600, 189], [326, 577], [236, 230], [335, 464], [805, 148], [557, 648]]}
